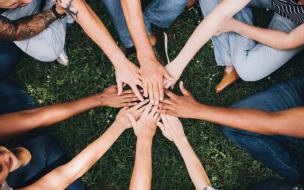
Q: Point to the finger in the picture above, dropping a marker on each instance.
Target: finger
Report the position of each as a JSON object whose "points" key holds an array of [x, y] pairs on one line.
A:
{"points": [[168, 101], [155, 93], [127, 92], [151, 96], [161, 92], [164, 119], [162, 127], [139, 112], [128, 100], [140, 104], [139, 83], [166, 107], [137, 93], [154, 110], [171, 95], [168, 112], [129, 104], [119, 87], [131, 119], [147, 109], [145, 88], [183, 89], [156, 117], [168, 85]]}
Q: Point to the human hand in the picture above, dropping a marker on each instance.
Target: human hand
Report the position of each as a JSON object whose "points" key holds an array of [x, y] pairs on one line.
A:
{"points": [[175, 71], [179, 106], [153, 75], [128, 73], [171, 128], [59, 9], [109, 97], [145, 126], [135, 111]]}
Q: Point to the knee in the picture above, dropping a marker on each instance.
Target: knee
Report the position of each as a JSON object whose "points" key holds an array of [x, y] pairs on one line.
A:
{"points": [[248, 74]]}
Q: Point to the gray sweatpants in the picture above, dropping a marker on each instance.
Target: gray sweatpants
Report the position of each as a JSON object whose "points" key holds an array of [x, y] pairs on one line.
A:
{"points": [[253, 61], [47, 45]]}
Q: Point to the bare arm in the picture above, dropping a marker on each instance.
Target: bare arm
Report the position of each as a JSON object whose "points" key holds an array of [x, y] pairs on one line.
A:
{"points": [[151, 70], [289, 122], [142, 172], [26, 27], [126, 72], [21, 122], [63, 176], [144, 129], [172, 128], [273, 38]]}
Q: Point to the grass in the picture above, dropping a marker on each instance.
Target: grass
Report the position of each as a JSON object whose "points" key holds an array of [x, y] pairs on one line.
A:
{"points": [[90, 72]]}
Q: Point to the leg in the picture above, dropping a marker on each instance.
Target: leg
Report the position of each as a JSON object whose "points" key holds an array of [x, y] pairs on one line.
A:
{"points": [[256, 61], [163, 13], [115, 10], [271, 150], [9, 57]]}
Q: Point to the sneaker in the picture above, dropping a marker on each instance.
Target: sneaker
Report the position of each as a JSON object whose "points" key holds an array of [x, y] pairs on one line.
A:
{"points": [[161, 46], [63, 58]]}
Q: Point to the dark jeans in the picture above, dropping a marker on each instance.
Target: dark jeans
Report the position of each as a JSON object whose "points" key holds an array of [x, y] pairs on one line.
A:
{"points": [[282, 154], [46, 153], [9, 57], [274, 184]]}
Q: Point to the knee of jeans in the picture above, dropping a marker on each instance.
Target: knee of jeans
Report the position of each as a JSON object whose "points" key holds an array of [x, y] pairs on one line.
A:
{"points": [[248, 74]]}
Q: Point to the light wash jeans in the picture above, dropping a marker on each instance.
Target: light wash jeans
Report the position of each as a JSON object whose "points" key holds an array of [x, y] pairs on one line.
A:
{"points": [[253, 61], [161, 13], [47, 45]]}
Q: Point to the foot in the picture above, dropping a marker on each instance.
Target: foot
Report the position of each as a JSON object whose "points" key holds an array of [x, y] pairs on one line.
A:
{"points": [[230, 76], [63, 58]]}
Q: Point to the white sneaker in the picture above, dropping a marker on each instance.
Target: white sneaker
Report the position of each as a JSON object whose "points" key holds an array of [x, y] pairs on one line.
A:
{"points": [[63, 58]]}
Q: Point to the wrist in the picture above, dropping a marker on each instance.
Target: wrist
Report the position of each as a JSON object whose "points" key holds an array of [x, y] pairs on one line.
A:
{"points": [[118, 60], [145, 140], [179, 142], [147, 59], [118, 126]]}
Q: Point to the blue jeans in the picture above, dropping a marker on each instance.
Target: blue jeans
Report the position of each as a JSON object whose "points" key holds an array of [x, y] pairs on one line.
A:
{"points": [[273, 184], [161, 13], [46, 153], [9, 57], [274, 151], [253, 61]]}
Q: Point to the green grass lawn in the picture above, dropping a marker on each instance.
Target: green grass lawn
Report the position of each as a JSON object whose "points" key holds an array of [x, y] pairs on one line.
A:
{"points": [[90, 72]]}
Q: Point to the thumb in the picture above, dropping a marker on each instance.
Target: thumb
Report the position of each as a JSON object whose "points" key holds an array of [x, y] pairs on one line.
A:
{"points": [[168, 76], [183, 89], [131, 119]]}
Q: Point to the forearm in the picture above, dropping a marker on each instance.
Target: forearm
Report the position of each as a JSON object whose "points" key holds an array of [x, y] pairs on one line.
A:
{"points": [[262, 122], [94, 28], [63, 176], [207, 28], [135, 20], [142, 172], [25, 27], [195, 169], [21, 122], [273, 38]]}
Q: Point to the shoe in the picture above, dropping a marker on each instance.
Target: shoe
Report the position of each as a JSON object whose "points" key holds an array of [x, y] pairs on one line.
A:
{"points": [[228, 78], [191, 3], [161, 46], [63, 58]]}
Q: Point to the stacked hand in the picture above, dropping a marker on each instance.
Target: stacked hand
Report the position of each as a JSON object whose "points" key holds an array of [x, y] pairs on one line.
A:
{"points": [[171, 128]]}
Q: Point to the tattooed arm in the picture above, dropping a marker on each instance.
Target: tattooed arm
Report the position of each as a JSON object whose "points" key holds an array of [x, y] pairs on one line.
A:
{"points": [[25, 27]]}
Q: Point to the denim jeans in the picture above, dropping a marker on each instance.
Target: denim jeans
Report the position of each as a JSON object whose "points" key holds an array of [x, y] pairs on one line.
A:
{"points": [[253, 61], [274, 151], [46, 153], [274, 184], [9, 57], [161, 13]]}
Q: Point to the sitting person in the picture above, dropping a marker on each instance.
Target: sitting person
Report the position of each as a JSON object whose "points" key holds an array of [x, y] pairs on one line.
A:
{"points": [[126, 71], [35, 28], [268, 125], [63, 175], [253, 56]]}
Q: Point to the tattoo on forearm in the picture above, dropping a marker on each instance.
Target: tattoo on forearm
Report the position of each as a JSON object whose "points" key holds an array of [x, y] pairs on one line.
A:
{"points": [[68, 8], [25, 27]]}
